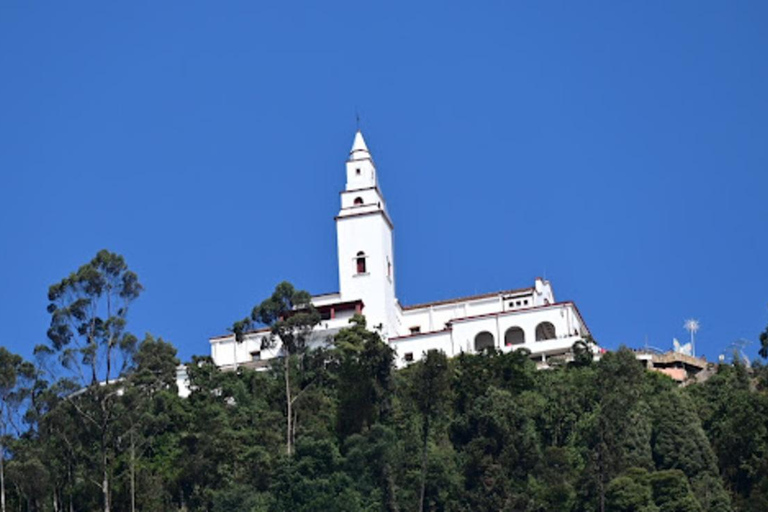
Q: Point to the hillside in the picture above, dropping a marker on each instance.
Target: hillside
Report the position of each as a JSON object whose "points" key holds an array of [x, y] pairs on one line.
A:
{"points": [[498, 434]]}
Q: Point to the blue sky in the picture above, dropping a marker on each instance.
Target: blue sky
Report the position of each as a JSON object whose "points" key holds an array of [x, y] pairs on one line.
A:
{"points": [[617, 148]]}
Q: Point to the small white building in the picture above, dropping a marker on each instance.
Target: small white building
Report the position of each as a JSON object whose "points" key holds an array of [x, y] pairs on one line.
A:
{"points": [[508, 320]]}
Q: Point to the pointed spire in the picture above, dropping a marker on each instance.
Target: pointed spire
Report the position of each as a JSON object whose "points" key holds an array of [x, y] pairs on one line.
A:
{"points": [[359, 149]]}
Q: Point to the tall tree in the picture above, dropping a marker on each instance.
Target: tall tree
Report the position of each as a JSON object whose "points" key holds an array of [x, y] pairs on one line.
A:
{"points": [[154, 373], [88, 316], [365, 381], [431, 385], [89, 310], [610, 430], [291, 317], [14, 371]]}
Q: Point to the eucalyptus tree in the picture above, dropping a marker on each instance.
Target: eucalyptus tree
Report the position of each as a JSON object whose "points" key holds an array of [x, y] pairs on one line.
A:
{"points": [[154, 374], [14, 372], [430, 394], [291, 317], [365, 381], [89, 311]]}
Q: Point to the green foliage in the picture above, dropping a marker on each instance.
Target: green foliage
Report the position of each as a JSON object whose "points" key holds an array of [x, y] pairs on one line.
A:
{"points": [[291, 317], [478, 432], [734, 417], [429, 391], [364, 378], [764, 344], [288, 313], [672, 493], [89, 310], [626, 494]]}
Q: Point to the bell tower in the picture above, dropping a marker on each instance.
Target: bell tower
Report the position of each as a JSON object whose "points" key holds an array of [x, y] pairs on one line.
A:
{"points": [[364, 241]]}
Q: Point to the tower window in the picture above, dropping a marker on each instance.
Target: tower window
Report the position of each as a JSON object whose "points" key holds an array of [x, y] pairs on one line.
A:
{"points": [[416, 329], [358, 201], [357, 171], [360, 260]]}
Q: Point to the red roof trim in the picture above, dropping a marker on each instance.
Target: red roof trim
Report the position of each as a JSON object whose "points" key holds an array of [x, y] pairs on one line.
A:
{"points": [[522, 310], [498, 313], [466, 299]]}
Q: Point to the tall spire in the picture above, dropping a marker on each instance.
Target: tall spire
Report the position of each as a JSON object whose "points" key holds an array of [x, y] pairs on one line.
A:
{"points": [[359, 149]]}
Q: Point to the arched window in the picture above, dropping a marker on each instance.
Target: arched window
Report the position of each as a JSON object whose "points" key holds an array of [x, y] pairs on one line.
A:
{"points": [[483, 341], [358, 201], [545, 331], [514, 336], [360, 259]]}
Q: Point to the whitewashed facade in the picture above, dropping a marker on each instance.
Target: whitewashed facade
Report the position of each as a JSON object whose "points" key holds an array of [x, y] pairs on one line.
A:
{"points": [[523, 318]]}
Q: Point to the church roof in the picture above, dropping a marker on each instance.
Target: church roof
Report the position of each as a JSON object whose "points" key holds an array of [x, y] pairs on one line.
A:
{"points": [[466, 298]]}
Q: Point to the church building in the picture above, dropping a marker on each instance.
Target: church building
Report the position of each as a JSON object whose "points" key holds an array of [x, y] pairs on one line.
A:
{"points": [[527, 317]]}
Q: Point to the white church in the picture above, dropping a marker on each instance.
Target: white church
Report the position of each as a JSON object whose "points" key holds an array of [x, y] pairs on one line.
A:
{"points": [[527, 318]]}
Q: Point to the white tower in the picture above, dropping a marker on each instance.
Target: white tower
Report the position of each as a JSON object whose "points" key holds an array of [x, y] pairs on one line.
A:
{"points": [[364, 237]]}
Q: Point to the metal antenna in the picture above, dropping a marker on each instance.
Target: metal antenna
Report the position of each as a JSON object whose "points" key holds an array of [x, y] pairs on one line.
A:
{"points": [[692, 326], [357, 118]]}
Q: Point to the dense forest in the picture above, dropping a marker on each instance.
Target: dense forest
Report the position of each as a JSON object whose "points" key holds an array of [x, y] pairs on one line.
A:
{"points": [[94, 422]]}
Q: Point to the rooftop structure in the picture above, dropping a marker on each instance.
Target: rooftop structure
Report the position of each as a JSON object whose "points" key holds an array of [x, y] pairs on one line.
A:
{"points": [[682, 368]]}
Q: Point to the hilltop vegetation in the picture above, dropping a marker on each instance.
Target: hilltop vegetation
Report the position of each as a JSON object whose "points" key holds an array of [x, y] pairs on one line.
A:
{"points": [[477, 432]]}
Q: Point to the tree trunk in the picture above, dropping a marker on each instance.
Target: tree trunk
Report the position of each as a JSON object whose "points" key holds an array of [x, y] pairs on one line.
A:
{"points": [[109, 341], [390, 498], [133, 473], [295, 426], [289, 416], [2, 477], [109, 362], [104, 460], [424, 456], [105, 482]]}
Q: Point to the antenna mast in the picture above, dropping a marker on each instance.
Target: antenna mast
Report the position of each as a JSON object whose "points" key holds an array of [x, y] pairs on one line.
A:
{"points": [[692, 326]]}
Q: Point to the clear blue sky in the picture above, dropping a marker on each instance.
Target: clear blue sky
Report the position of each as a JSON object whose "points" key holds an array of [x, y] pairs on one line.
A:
{"points": [[618, 148]]}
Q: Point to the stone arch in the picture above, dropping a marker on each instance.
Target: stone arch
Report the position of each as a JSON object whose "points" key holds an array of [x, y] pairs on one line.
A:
{"points": [[545, 331], [514, 336], [484, 340]]}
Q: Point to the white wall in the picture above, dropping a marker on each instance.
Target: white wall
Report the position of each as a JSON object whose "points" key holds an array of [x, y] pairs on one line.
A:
{"points": [[370, 234], [461, 335]]}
